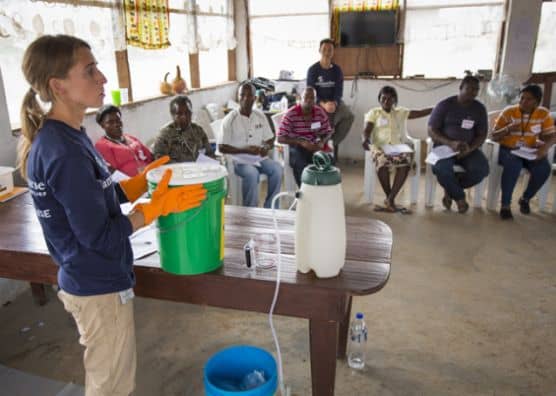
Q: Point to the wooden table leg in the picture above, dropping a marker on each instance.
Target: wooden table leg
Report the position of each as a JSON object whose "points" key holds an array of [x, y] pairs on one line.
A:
{"points": [[323, 337], [39, 293], [344, 331]]}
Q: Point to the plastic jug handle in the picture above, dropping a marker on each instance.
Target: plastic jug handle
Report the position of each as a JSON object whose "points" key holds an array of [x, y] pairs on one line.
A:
{"points": [[322, 160]]}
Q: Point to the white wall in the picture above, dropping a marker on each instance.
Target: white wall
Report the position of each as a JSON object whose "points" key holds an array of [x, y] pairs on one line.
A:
{"points": [[7, 141]]}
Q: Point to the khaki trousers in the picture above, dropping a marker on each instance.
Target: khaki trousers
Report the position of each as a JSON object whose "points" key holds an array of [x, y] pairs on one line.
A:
{"points": [[107, 331]]}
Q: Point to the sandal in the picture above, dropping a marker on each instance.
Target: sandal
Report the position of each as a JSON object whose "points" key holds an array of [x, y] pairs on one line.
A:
{"points": [[387, 209], [447, 202], [463, 206]]}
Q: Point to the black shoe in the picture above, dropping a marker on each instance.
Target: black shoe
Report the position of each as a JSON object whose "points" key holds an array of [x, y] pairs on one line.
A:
{"points": [[524, 206], [506, 214]]}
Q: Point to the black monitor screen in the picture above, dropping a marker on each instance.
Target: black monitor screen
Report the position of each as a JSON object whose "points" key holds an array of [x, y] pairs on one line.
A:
{"points": [[360, 29]]}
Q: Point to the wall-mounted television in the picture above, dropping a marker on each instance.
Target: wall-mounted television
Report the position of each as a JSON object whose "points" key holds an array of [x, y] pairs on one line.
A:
{"points": [[368, 28]]}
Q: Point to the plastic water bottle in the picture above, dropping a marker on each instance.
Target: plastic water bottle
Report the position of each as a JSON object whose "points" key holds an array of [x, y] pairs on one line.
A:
{"points": [[357, 342], [284, 103]]}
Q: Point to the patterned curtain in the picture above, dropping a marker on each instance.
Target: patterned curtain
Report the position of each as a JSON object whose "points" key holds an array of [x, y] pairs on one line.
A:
{"points": [[147, 23]]}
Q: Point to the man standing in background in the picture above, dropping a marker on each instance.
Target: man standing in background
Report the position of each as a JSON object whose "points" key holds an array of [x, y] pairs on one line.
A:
{"points": [[328, 80]]}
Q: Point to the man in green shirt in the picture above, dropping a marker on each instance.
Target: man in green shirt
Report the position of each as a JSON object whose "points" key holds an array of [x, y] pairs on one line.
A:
{"points": [[181, 139]]}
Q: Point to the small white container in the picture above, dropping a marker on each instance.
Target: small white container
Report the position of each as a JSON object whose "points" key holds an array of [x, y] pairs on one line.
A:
{"points": [[6, 179]]}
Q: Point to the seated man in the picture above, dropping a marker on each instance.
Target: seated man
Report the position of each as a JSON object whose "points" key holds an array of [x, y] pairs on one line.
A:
{"points": [[305, 128], [460, 122], [525, 124], [328, 80], [121, 151], [247, 137], [181, 139]]}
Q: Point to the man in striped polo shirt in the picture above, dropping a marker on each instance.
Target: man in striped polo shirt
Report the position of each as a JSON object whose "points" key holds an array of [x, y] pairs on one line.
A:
{"points": [[306, 129]]}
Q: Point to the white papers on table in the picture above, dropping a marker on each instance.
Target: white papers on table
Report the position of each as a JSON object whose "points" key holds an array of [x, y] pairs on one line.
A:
{"points": [[203, 159], [248, 159], [395, 149], [526, 152], [118, 176], [439, 153], [143, 242]]}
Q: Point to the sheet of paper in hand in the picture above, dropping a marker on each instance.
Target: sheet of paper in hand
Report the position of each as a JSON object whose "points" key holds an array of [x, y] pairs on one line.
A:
{"points": [[395, 149]]}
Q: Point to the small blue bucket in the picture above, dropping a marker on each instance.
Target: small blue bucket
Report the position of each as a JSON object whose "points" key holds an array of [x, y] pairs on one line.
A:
{"points": [[230, 366]]}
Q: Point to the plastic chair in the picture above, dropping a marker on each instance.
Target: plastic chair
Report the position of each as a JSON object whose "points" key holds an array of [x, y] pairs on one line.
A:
{"points": [[431, 182], [370, 176], [282, 155]]}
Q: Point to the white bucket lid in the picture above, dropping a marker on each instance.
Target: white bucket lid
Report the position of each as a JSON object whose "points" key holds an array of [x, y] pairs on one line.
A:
{"points": [[186, 173], [6, 169]]}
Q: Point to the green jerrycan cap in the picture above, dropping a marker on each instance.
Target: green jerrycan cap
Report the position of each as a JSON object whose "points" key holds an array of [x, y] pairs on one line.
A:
{"points": [[321, 172]]}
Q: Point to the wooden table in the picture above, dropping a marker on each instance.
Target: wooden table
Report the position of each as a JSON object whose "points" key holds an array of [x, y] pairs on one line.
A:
{"points": [[325, 302]]}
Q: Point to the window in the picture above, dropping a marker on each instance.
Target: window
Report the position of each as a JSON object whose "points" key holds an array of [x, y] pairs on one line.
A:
{"points": [[215, 35], [289, 40], [545, 51], [148, 67], [445, 40], [22, 21]]}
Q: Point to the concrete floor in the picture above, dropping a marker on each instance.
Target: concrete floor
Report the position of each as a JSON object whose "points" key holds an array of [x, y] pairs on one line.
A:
{"points": [[470, 309]]}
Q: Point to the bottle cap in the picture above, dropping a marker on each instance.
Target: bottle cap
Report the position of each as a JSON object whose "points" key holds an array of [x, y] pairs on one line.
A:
{"points": [[359, 315], [321, 172]]}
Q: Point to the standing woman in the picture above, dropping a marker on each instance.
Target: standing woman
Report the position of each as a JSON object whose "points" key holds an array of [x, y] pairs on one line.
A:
{"points": [[78, 207], [386, 125]]}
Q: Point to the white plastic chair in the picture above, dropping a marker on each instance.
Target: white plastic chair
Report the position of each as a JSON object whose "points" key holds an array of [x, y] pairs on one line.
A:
{"points": [[431, 182], [234, 181], [282, 155], [370, 176]]}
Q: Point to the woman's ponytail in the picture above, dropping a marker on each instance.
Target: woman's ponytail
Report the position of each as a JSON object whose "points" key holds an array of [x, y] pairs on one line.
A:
{"points": [[32, 117]]}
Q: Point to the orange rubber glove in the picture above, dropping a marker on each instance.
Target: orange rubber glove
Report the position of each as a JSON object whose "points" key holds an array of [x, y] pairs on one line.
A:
{"points": [[166, 200], [136, 186]]}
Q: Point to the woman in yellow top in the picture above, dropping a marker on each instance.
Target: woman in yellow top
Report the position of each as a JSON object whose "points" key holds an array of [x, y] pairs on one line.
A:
{"points": [[523, 125], [387, 125]]}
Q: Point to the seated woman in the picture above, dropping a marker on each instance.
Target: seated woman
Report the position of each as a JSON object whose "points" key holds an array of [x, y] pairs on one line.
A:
{"points": [[181, 139], [121, 151], [386, 125], [523, 125]]}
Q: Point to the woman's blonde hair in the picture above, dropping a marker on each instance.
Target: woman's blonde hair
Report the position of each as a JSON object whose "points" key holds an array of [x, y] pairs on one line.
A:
{"points": [[47, 57]]}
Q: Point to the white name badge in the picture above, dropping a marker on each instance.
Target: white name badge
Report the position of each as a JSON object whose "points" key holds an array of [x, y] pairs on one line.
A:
{"points": [[536, 128], [315, 125], [382, 122], [467, 124], [126, 295]]}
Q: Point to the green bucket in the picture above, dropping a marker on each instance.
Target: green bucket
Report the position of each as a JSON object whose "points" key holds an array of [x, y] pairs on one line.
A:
{"points": [[192, 242]]}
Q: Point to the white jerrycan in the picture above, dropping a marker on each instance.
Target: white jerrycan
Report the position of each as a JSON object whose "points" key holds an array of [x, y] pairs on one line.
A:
{"points": [[320, 225]]}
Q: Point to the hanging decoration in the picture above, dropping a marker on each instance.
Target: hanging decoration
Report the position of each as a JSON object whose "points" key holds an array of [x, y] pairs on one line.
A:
{"points": [[147, 23]]}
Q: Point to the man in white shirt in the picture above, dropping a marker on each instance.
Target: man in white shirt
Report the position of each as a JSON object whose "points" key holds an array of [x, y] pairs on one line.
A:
{"points": [[247, 137]]}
